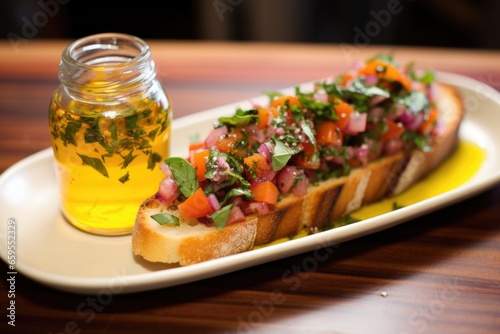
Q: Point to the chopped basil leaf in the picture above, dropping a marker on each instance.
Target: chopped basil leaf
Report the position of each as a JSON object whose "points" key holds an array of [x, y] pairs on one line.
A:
{"points": [[184, 175], [235, 192], [152, 134], [166, 218], [153, 159], [216, 169], [309, 133], [282, 153], [358, 93], [240, 118], [297, 113], [128, 159], [428, 77], [220, 216], [420, 141], [415, 101], [396, 206], [322, 109], [131, 122], [68, 136], [94, 163], [211, 165], [124, 178], [360, 88]]}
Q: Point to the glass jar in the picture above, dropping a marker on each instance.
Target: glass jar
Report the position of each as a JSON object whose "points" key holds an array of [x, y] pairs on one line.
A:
{"points": [[109, 123]]}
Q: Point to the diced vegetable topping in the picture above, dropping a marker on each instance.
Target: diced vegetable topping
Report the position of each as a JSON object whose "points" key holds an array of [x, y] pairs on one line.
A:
{"points": [[253, 158]]}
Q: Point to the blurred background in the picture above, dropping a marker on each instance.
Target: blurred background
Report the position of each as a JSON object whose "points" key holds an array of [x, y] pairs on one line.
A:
{"points": [[443, 23]]}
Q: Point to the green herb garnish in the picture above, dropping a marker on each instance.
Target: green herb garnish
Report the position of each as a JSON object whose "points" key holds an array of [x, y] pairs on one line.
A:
{"points": [[124, 178], [220, 216], [165, 218], [415, 101], [235, 192], [184, 175], [94, 163], [240, 118], [282, 153]]}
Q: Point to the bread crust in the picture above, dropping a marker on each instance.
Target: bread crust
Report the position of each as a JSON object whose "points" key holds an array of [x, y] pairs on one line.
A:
{"points": [[329, 200]]}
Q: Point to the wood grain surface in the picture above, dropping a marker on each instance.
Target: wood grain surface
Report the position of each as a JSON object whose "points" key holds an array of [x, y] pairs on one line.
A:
{"points": [[439, 273]]}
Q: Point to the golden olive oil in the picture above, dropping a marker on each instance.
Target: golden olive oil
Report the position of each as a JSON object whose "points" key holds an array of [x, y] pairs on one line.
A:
{"points": [[107, 164], [460, 167]]}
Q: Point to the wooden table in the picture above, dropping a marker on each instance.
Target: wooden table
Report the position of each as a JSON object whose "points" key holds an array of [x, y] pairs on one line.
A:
{"points": [[436, 274]]}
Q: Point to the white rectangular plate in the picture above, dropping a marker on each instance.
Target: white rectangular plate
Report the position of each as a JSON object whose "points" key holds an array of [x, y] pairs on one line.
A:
{"points": [[50, 251]]}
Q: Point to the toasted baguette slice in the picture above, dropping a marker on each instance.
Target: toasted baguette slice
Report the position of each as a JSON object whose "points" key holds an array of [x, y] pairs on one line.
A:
{"points": [[194, 242]]}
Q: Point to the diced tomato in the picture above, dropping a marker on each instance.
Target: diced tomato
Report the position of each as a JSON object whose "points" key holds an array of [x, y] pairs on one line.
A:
{"points": [[195, 206], [394, 130], [306, 158], [390, 72], [199, 162], [429, 122], [236, 142], [196, 146], [265, 116], [343, 111], [328, 132], [256, 165], [345, 79], [286, 100], [265, 192]]}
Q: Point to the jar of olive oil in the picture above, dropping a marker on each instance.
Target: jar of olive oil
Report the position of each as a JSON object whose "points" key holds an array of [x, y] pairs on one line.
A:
{"points": [[109, 123]]}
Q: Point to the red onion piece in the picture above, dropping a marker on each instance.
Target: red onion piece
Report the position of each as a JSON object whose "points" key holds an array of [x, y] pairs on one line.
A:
{"points": [[362, 154], [300, 188], [259, 208], [415, 122], [165, 169], [235, 215], [398, 110], [371, 79], [356, 124], [214, 202], [376, 100], [279, 131], [269, 176], [286, 178], [264, 149], [168, 190], [406, 117]]}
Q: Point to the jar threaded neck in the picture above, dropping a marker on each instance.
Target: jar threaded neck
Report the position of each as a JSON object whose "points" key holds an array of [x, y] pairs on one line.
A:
{"points": [[110, 64]]}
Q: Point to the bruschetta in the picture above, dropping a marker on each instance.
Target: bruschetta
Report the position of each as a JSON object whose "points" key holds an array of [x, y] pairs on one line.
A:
{"points": [[299, 162]]}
